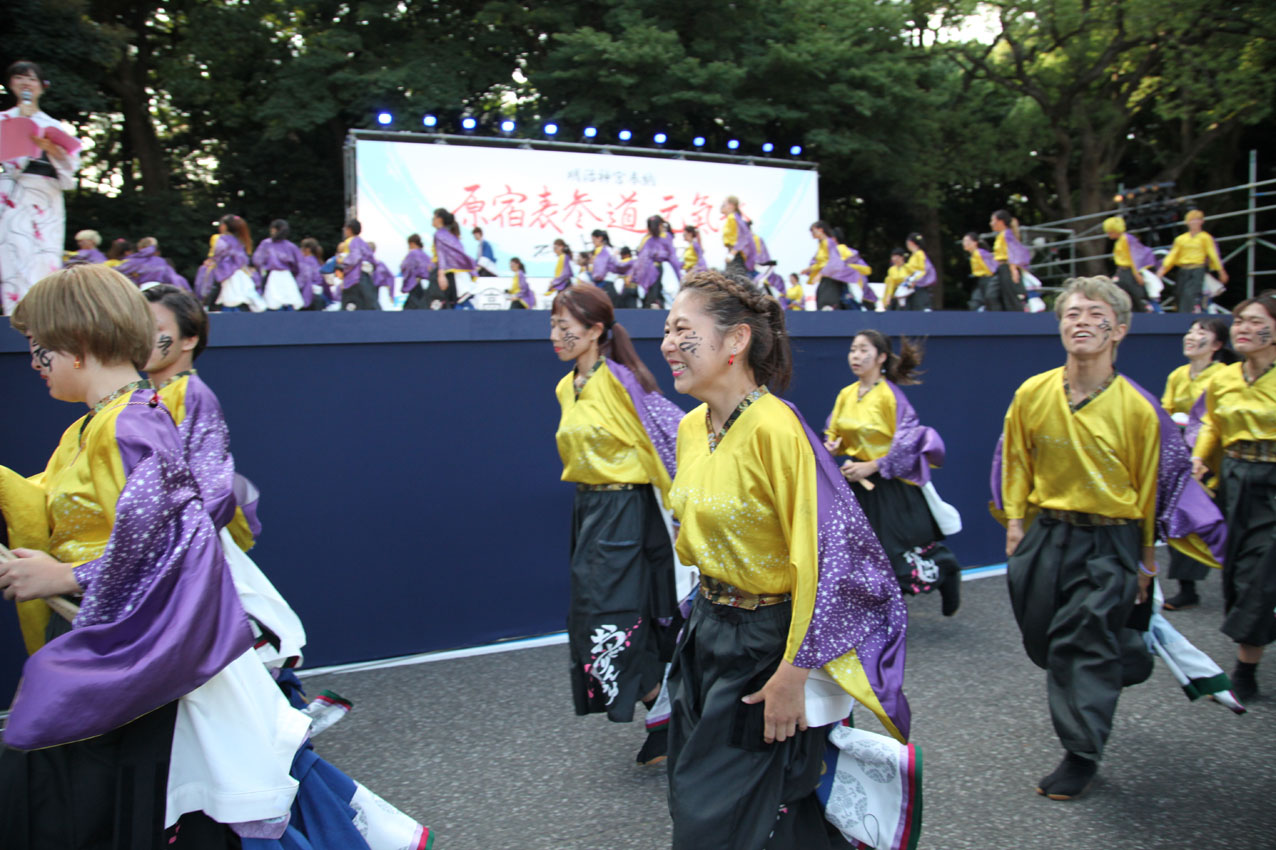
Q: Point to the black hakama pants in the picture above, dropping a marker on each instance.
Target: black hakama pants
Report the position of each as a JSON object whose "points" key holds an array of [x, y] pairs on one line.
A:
{"points": [[1012, 296], [622, 588], [899, 515], [1132, 287], [361, 296], [828, 293], [1190, 288], [728, 788], [1247, 492], [1073, 589]]}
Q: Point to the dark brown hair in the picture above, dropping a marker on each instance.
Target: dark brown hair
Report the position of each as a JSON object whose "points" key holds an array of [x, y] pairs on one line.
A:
{"points": [[1221, 332], [415, 239], [191, 319], [238, 228], [1265, 299], [120, 248], [900, 369], [590, 306], [733, 301], [312, 245]]}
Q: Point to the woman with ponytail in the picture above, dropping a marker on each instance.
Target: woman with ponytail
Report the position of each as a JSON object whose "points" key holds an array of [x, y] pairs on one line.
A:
{"points": [[449, 258], [1013, 258], [616, 440], [232, 287], [890, 455], [796, 596], [915, 292]]}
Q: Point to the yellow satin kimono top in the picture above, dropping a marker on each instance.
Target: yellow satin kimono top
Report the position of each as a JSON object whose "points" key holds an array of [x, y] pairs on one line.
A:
{"points": [[865, 425], [1236, 410], [1182, 390], [895, 275]]}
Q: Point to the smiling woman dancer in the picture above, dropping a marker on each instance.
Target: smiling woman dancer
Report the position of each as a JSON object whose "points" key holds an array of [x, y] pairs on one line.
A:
{"points": [[1240, 418], [792, 579], [1205, 347], [616, 440], [876, 429]]}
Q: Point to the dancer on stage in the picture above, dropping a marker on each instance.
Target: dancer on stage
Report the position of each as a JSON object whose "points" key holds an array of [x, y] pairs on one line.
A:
{"points": [[87, 241], [794, 297], [278, 261], [616, 440], [449, 259], [230, 286], [196, 747], [655, 249], [795, 589], [416, 271], [896, 274], [355, 266], [833, 269], [147, 266], [889, 454], [33, 214], [1240, 418], [1090, 473], [562, 268], [1131, 257], [121, 249], [982, 269], [314, 291], [915, 292], [1193, 252], [484, 258], [602, 264], [1013, 258], [520, 292], [1205, 347], [693, 256], [737, 236]]}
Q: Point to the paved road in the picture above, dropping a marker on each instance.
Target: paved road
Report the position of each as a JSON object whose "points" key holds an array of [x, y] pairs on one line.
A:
{"points": [[488, 752]]}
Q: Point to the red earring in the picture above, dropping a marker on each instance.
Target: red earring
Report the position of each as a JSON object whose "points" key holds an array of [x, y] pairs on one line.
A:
{"points": [[731, 359]]}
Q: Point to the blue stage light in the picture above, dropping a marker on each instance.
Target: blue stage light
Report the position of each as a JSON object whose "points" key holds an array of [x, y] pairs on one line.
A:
{"points": [[551, 129], [796, 150], [384, 118], [430, 121], [733, 144], [767, 147], [660, 138], [469, 123], [624, 135], [590, 132], [698, 141], [507, 126]]}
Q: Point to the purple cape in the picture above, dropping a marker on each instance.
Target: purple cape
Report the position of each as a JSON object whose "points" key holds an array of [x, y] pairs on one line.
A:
{"points": [[1182, 505], [381, 275], [857, 599], [277, 255], [653, 252], [525, 293], [229, 257], [564, 280], [147, 266], [603, 264], [915, 448], [1017, 253], [659, 416], [989, 260], [160, 616], [85, 255], [307, 276], [450, 252], [415, 269], [357, 253], [1140, 255], [744, 241], [837, 269]]}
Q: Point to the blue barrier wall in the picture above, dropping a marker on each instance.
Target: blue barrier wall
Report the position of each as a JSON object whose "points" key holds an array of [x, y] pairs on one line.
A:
{"points": [[410, 484]]}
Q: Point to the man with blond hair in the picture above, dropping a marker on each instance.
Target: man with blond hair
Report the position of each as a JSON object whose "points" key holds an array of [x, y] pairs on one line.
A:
{"points": [[1082, 452], [1193, 252]]}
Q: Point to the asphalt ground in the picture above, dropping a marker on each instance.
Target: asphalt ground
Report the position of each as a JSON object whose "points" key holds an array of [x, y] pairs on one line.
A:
{"points": [[487, 750]]}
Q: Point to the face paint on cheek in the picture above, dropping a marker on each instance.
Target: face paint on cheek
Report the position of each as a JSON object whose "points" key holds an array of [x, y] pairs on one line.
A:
{"points": [[690, 344], [569, 341], [1106, 327], [164, 343], [42, 356], [1264, 336]]}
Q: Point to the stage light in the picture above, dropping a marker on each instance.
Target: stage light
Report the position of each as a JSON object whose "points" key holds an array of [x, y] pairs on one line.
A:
{"points": [[551, 129], [733, 144], [469, 123], [507, 126], [660, 138], [796, 150], [624, 135], [767, 147], [384, 118], [430, 121], [591, 132], [698, 141]]}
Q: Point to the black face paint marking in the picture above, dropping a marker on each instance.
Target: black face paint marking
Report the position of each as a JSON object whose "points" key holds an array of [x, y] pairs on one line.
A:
{"points": [[691, 344], [1106, 327], [569, 340], [164, 343], [1264, 336], [43, 356]]}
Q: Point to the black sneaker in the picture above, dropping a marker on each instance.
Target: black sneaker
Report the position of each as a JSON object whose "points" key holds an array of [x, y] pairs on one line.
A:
{"points": [[1071, 779], [1244, 684], [1182, 600], [950, 593], [656, 748]]}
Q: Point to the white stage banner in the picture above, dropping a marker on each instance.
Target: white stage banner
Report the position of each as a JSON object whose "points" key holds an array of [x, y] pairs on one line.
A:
{"points": [[525, 199]]}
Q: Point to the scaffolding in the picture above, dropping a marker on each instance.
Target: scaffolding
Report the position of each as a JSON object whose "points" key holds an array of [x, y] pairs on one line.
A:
{"points": [[1059, 241]]}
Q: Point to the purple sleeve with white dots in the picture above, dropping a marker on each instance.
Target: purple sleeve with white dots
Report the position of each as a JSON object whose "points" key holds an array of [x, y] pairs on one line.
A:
{"points": [[915, 448]]}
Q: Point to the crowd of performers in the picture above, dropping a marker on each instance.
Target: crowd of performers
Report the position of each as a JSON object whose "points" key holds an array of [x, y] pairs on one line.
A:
{"points": [[740, 573], [798, 564]]}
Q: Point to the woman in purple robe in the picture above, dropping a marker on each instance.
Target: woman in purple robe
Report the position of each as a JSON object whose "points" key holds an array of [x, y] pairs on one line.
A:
{"points": [[147, 266], [520, 291], [314, 291], [562, 268], [87, 241], [655, 249], [278, 260], [416, 271], [737, 236], [449, 258], [232, 287], [890, 455], [1013, 259], [616, 438], [693, 256], [355, 262]]}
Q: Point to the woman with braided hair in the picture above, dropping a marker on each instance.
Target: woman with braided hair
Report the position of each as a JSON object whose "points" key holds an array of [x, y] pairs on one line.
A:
{"points": [[616, 440], [796, 594], [889, 454]]}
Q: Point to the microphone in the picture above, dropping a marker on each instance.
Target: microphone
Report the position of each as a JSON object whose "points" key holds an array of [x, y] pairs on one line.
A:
{"points": [[26, 97]]}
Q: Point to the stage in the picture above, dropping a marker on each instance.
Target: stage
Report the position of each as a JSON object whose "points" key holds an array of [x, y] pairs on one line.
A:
{"points": [[410, 483]]}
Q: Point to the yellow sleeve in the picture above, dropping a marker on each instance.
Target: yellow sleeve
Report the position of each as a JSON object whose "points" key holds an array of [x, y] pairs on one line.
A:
{"points": [[729, 233], [23, 506], [798, 511], [1146, 466], [1121, 252], [1211, 251], [688, 258], [212, 244], [1208, 439], [1016, 464], [829, 432], [1000, 252], [1167, 397], [916, 263], [1172, 258]]}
